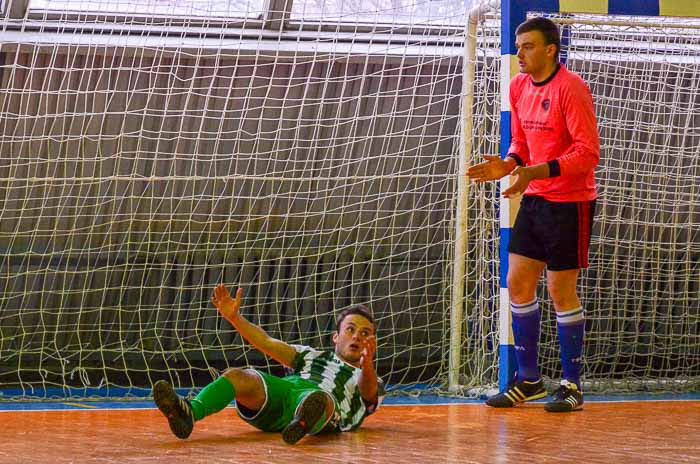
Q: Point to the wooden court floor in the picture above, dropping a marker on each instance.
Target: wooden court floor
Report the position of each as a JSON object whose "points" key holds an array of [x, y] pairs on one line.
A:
{"points": [[622, 432]]}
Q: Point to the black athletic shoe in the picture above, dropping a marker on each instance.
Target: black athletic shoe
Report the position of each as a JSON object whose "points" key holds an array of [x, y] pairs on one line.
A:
{"points": [[566, 399], [518, 392], [176, 409], [311, 410]]}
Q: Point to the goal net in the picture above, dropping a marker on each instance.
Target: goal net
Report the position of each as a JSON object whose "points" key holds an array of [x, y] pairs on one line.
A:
{"points": [[146, 157]]}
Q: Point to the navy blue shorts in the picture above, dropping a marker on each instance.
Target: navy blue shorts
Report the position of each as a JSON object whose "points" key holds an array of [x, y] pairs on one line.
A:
{"points": [[557, 233]]}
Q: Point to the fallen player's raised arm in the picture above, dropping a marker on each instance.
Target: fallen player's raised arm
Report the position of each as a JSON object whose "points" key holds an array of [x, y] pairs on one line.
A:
{"points": [[229, 308]]}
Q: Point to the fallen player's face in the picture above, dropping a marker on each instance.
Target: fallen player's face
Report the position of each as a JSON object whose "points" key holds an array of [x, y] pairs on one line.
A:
{"points": [[352, 339]]}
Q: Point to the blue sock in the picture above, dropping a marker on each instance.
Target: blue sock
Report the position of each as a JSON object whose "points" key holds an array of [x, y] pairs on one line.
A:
{"points": [[570, 326], [526, 335]]}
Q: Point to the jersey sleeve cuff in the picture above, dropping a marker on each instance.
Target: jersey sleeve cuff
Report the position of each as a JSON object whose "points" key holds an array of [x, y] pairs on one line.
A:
{"points": [[554, 168]]}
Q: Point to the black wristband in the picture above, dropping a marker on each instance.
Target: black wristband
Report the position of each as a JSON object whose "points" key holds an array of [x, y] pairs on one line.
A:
{"points": [[517, 158], [554, 168]]}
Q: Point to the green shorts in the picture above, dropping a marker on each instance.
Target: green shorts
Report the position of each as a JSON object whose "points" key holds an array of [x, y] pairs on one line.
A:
{"points": [[282, 396]]}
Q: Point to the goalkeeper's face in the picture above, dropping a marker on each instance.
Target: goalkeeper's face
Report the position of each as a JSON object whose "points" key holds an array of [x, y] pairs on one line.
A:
{"points": [[353, 338], [534, 55]]}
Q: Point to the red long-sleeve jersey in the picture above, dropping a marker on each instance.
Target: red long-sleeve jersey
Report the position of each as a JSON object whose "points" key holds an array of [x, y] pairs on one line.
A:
{"points": [[554, 122]]}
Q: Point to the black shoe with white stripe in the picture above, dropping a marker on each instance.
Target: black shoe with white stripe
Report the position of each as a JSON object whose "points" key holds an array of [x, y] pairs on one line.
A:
{"points": [[176, 409], [566, 399], [518, 392]]}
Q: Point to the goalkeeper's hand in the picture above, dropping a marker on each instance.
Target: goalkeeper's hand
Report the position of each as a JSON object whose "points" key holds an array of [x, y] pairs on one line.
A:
{"points": [[491, 169]]}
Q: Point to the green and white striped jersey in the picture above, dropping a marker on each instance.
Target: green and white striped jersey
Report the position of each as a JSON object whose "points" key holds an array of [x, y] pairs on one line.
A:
{"points": [[335, 376]]}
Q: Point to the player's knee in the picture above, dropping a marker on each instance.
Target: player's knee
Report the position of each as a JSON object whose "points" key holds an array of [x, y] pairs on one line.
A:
{"points": [[242, 379], [561, 296], [519, 291]]}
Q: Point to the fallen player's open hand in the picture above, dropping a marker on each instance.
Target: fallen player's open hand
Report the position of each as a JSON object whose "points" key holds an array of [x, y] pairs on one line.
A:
{"points": [[227, 306], [368, 350]]}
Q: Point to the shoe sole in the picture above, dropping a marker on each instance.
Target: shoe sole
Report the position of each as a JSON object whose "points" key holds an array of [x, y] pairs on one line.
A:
{"points": [[168, 403], [310, 411], [562, 408], [516, 402]]}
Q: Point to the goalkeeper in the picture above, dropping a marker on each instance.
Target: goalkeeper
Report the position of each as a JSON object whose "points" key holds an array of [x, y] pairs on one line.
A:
{"points": [[551, 160], [328, 391]]}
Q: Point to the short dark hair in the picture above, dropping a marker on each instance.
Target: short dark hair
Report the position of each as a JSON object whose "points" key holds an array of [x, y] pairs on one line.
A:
{"points": [[362, 310], [546, 26]]}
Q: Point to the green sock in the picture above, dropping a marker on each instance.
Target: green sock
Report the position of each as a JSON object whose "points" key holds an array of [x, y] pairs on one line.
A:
{"points": [[213, 398]]}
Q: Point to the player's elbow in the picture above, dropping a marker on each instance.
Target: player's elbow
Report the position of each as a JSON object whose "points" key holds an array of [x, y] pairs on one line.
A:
{"points": [[591, 158], [580, 161]]}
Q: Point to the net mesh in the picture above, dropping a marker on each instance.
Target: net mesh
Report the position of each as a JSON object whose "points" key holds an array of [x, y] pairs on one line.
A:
{"points": [[141, 163], [146, 157]]}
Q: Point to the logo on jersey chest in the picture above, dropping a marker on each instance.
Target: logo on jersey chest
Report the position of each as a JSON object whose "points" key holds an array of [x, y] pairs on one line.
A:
{"points": [[545, 104]]}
